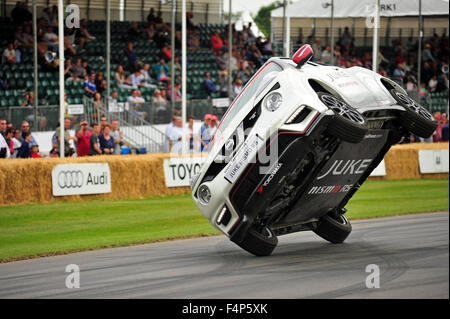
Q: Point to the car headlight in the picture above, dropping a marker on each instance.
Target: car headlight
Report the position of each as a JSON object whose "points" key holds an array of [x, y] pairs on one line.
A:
{"points": [[194, 180], [204, 194], [273, 101]]}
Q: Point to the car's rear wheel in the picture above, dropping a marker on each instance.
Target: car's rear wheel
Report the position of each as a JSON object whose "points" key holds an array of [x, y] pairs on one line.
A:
{"points": [[259, 243], [416, 119], [348, 124], [334, 228]]}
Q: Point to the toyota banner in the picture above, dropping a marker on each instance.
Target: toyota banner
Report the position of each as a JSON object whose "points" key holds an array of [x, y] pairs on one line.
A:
{"points": [[81, 179]]}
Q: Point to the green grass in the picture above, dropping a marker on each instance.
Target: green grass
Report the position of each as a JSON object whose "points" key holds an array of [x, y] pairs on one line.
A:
{"points": [[45, 229]]}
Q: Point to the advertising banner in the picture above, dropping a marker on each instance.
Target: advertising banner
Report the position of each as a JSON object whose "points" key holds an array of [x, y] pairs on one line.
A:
{"points": [[81, 179]]}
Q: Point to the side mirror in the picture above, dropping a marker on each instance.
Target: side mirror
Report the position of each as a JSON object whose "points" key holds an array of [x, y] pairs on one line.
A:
{"points": [[303, 55]]}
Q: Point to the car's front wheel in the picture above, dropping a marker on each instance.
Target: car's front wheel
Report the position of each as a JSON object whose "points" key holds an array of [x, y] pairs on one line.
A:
{"points": [[348, 124], [416, 118], [334, 228], [259, 242]]}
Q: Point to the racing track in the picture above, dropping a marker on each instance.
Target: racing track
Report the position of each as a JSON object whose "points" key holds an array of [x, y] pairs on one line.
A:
{"points": [[412, 253]]}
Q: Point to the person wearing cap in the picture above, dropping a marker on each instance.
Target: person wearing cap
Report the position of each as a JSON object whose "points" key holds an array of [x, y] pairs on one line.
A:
{"points": [[203, 135], [212, 127], [84, 139]]}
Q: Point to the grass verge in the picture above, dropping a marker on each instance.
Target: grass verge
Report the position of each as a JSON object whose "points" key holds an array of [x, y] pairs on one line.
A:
{"points": [[28, 231]]}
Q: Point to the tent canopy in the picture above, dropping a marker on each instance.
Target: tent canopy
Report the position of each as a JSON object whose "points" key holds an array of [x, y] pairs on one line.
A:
{"points": [[362, 8]]}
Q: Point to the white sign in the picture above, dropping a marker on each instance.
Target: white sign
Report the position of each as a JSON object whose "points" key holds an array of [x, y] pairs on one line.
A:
{"points": [[81, 179], [179, 170], [222, 102], [380, 170], [433, 161], [116, 107], [75, 109]]}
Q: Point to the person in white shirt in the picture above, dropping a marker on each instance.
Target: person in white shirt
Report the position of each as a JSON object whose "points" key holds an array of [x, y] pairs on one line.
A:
{"points": [[176, 135], [9, 55], [51, 38], [168, 133], [4, 148]]}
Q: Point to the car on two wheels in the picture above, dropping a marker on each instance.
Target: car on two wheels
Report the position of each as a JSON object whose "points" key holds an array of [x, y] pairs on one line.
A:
{"points": [[294, 147]]}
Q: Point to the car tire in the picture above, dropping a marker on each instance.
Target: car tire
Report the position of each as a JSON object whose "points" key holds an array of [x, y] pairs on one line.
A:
{"points": [[333, 228], [259, 244], [416, 119], [348, 124]]}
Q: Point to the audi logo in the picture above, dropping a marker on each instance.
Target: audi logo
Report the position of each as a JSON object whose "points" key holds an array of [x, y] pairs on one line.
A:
{"points": [[70, 179]]}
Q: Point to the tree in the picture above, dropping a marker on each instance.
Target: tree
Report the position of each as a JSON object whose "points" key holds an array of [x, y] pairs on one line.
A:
{"points": [[262, 18]]}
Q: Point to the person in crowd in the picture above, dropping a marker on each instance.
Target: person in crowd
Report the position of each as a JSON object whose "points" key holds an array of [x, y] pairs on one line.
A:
{"points": [[146, 78], [121, 79], [134, 32], [34, 152], [117, 135], [107, 144], [100, 83], [51, 38], [16, 142], [237, 87], [25, 148], [445, 128], [133, 60], [137, 78], [82, 36], [168, 132], [112, 99], [93, 140], [68, 150], [103, 123], [25, 126], [150, 32], [3, 127], [209, 85], [83, 136], [4, 148], [159, 100], [212, 126], [221, 62], [176, 136], [136, 105], [89, 86], [98, 105], [203, 134], [217, 42], [9, 140], [9, 54], [192, 142], [223, 83], [162, 71], [151, 18]]}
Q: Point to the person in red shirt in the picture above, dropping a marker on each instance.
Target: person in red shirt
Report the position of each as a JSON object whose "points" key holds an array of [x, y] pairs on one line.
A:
{"points": [[217, 42], [83, 136], [35, 151]]}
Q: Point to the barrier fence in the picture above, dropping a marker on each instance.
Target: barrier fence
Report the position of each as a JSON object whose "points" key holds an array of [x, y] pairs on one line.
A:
{"points": [[143, 176]]}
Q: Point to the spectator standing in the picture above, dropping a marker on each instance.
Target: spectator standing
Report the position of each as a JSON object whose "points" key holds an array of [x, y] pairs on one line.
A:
{"points": [[83, 137], [203, 135], [176, 136], [134, 32], [107, 144], [117, 134], [16, 142], [168, 132], [3, 127], [25, 148], [26, 129], [209, 85], [68, 150], [93, 141], [133, 60]]}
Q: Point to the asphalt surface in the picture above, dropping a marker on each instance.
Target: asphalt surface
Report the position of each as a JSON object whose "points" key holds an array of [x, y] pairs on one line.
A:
{"points": [[411, 252]]}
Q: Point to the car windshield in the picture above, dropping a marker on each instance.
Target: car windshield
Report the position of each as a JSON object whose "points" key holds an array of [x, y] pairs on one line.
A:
{"points": [[256, 84]]}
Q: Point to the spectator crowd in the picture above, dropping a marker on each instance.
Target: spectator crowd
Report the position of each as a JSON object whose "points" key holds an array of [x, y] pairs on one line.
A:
{"points": [[248, 54]]}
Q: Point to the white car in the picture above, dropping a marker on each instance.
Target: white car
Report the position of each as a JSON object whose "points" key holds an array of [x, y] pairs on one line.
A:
{"points": [[296, 145]]}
